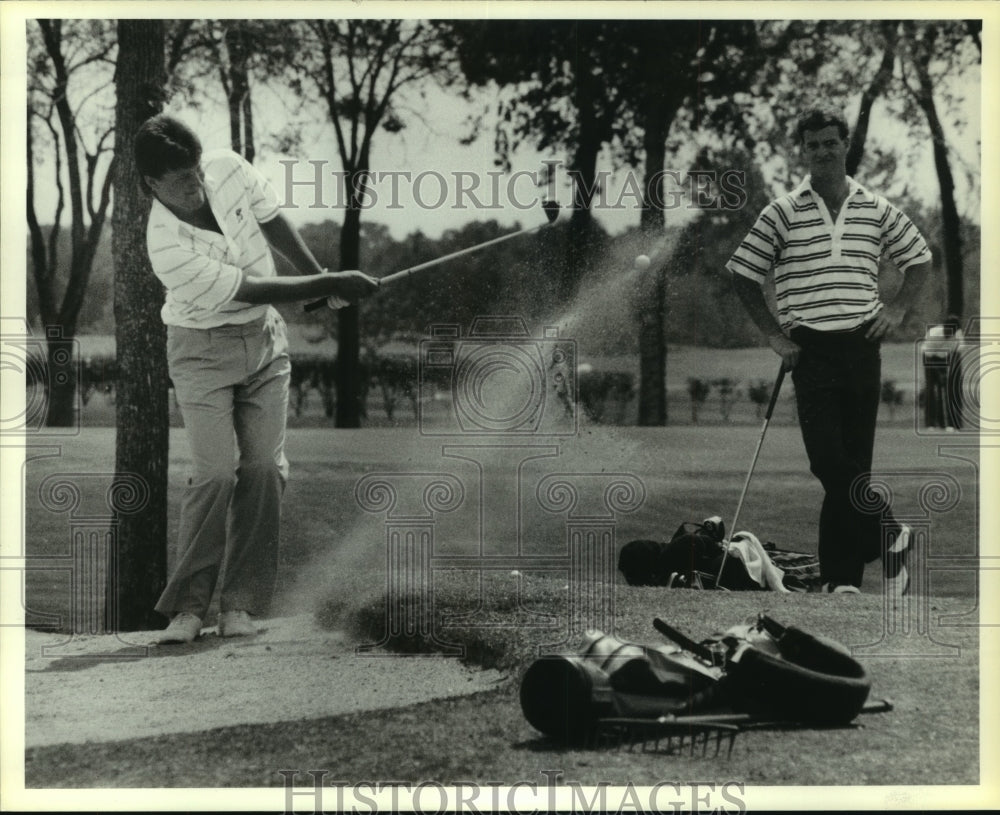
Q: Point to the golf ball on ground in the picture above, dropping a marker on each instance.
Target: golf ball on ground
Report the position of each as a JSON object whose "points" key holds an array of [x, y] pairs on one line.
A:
{"points": [[642, 262]]}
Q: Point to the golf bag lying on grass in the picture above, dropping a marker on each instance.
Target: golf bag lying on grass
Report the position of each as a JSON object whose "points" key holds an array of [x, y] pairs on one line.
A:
{"points": [[693, 556], [760, 672]]}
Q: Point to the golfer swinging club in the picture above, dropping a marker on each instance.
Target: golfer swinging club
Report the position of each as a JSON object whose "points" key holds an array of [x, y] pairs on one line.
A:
{"points": [[211, 220], [823, 242]]}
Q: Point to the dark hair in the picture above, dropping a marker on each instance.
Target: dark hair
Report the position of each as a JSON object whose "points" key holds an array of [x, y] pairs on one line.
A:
{"points": [[162, 144], [818, 117]]}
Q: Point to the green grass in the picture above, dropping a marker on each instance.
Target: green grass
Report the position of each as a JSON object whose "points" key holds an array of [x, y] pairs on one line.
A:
{"points": [[333, 565], [931, 737]]}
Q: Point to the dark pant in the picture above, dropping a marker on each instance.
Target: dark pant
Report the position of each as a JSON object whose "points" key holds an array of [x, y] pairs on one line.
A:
{"points": [[838, 382]]}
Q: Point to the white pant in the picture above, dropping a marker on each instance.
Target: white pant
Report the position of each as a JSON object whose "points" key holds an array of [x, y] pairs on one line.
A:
{"points": [[231, 384]]}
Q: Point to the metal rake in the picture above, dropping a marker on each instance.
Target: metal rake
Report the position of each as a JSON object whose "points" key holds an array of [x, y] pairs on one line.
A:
{"points": [[659, 736]]}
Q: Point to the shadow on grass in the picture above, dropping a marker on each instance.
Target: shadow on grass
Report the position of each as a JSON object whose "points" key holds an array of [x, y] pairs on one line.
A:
{"points": [[704, 740], [82, 662]]}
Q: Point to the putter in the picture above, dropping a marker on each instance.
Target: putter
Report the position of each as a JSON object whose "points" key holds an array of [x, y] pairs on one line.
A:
{"points": [[746, 484], [552, 211]]}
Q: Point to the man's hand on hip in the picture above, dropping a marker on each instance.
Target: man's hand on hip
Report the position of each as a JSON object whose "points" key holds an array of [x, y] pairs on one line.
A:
{"points": [[886, 321], [786, 349]]}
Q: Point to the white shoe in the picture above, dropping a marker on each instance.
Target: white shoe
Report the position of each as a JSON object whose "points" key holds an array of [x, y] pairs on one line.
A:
{"points": [[184, 627], [236, 624], [897, 577], [840, 588]]}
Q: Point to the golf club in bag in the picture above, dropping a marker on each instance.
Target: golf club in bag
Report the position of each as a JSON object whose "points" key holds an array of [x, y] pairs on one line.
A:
{"points": [[746, 484]]}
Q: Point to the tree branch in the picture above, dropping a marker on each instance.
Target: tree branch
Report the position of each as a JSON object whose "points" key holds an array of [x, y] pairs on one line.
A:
{"points": [[882, 76], [51, 31], [178, 47], [329, 93]]}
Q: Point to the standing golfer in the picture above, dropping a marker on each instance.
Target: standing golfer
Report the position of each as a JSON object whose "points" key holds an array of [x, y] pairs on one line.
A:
{"points": [[210, 224], [823, 242]]}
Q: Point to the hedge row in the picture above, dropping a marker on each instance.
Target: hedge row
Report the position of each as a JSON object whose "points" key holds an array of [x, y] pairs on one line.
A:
{"points": [[604, 395]]}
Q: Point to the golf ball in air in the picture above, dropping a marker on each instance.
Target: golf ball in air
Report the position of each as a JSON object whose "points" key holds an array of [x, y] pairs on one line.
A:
{"points": [[642, 262]]}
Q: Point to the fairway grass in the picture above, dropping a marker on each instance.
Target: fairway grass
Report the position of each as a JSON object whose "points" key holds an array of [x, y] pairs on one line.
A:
{"points": [[924, 656]]}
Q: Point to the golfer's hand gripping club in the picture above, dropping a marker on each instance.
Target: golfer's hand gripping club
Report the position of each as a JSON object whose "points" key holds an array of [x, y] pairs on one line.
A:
{"points": [[351, 285]]}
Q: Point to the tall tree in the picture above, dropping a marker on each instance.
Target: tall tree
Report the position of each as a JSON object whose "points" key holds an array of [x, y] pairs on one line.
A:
{"points": [[562, 92], [237, 52], [142, 379], [681, 72], [359, 69], [68, 73], [927, 43]]}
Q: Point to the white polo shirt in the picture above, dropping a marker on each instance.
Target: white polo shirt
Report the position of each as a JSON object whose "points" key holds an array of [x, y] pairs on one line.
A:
{"points": [[202, 269], [826, 272]]}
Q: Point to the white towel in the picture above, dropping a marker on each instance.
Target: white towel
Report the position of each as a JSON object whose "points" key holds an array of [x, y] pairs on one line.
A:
{"points": [[746, 547]]}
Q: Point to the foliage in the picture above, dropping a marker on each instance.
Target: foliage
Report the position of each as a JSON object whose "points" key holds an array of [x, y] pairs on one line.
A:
{"points": [[782, 64], [759, 393], [698, 389], [726, 388], [605, 395], [356, 71], [517, 277], [891, 396]]}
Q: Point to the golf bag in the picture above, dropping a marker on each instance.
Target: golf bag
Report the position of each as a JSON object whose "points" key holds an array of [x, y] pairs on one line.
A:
{"points": [[764, 669], [692, 557], [565, 696]]}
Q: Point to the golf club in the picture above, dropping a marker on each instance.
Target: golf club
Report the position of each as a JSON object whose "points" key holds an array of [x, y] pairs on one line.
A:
{"points": [[552, 212], [746, 484]]}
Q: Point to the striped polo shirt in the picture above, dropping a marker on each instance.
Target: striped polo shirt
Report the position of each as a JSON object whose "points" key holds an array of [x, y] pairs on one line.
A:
{"points": [[202, 269], [826, 273]]}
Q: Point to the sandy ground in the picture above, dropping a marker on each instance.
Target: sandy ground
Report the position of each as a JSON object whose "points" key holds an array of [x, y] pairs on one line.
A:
{"points": [[105, 688]]}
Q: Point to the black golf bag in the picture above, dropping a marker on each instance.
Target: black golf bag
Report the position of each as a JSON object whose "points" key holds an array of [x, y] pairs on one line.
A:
{"points": [[693, 555], [690, 559], [777, 673]]}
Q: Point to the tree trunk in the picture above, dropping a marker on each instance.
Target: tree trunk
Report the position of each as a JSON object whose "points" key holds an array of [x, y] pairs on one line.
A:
{"points": [[658, 115], [61, 326], [581, 244], [40, 260], [249, 146], [62, 374], [138, 569], [653, 353], [951, 225], [240, 123], [61, 366], [348, 378]]}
